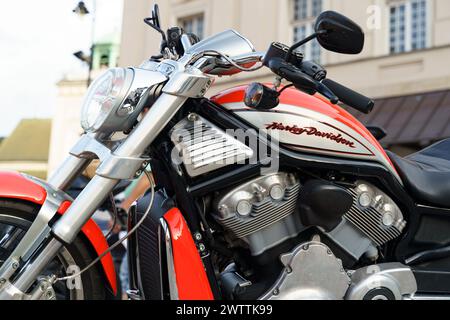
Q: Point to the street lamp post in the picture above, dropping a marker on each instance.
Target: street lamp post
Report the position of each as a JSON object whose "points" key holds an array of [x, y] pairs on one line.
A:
{"points": [[81, 10]]}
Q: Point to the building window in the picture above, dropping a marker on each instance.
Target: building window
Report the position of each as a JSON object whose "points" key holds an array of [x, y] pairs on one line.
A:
{"points": [[305, 13], [419, 24], [194, 24], [408, 26], [104, 61]]}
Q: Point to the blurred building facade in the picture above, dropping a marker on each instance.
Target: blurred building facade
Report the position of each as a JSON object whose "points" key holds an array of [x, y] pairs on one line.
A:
{"points": [[403, 65], [66, 128], [26, 148]]}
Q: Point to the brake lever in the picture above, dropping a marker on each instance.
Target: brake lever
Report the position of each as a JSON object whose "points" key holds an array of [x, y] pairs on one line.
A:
{"points": [[327, 93], [293, 74], [300, 79]]}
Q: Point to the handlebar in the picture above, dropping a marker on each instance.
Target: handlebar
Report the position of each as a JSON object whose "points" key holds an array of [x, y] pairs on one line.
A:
{"points": [[350, 97], [306, 76], [309, 78]]}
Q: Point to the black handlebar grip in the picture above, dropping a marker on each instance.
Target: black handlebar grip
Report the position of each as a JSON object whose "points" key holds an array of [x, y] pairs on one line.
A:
{"points": [[349, 97]]}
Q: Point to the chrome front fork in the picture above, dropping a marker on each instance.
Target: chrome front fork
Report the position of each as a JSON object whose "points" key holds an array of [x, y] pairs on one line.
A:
{"points": [[121, 164]]}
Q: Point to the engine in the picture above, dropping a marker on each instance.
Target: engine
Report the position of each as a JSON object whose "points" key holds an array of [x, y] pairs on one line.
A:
{"points": [[265, 212], [268, 211], [260, 212]]}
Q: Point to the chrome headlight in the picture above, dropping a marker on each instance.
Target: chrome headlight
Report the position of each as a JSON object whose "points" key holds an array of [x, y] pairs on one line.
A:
{"points": [[104, 96], [115, 99]]}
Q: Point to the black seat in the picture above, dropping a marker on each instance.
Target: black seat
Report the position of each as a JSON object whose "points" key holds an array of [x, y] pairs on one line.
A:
{"points": [[426, 174]]}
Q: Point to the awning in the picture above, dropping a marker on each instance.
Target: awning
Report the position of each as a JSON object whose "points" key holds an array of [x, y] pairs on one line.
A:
{"points": [[412, 119]]}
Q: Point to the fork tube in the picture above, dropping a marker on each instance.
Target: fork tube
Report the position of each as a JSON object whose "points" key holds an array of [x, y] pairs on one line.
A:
{"points": [[155, 120], [32, 270], [70, 169], [70, 224], [67, 228]]}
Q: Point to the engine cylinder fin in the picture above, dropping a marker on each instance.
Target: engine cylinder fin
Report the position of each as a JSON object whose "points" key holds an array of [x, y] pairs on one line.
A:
{"points": [[367, 226], [265, 211], [263, 220], [369, 220]]}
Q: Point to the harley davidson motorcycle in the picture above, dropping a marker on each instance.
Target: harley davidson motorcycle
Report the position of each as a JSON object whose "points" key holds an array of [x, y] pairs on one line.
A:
{"points": [[260, 192]]}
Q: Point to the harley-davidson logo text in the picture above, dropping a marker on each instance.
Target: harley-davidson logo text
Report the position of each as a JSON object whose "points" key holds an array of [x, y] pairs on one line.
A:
{"points": [[310, 131]]}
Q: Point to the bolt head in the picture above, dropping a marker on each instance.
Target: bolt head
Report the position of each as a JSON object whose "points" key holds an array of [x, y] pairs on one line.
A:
{"points": [[244, 208], [277, 192], [192, 117], [202, 247], [388, 220], [198, 236], [365, 199]]}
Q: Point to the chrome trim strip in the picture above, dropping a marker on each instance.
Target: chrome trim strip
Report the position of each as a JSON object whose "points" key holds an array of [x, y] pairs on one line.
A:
{"points": [[420, 297], [170, 264]]}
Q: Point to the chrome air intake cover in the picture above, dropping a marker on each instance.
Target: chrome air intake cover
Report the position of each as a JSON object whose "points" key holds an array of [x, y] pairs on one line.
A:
{"points": [[202, 147], [260, 212]]}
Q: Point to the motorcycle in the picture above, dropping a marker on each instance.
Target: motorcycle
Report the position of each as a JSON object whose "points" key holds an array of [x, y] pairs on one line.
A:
{"points": [[263, 191]]}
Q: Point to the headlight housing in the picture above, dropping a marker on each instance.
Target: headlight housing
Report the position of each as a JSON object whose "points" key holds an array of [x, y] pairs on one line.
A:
{"points": [[115, 99], [105, 95]]}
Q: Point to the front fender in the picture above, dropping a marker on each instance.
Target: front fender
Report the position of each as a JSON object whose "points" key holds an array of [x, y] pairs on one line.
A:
{"points": [[16, 186], [191, 279]]}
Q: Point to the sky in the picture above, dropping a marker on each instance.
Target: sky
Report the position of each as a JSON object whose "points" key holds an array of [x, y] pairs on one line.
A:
{"points": [[37, 42]]}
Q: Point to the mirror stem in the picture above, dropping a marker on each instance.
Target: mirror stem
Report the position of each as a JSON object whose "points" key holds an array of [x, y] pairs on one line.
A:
{"points": [[150, 22], [302, 42]]}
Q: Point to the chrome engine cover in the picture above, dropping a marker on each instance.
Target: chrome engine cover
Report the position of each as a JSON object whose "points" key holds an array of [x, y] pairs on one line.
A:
{"points": [[389, 281], [261, 211], [203, 147], [311, 272]]}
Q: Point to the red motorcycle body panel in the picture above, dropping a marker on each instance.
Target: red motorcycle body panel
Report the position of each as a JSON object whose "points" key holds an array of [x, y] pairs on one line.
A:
{"points": [[306, 123], [95, 236], [16, 186], [191, 278]]}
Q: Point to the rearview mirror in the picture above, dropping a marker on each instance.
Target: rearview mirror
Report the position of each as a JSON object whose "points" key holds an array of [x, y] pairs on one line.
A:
{"points": [[338, 33], [155, 16]]}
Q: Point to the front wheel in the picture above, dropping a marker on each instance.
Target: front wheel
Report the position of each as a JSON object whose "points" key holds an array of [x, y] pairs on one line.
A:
{"points": [[15, 219]]}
